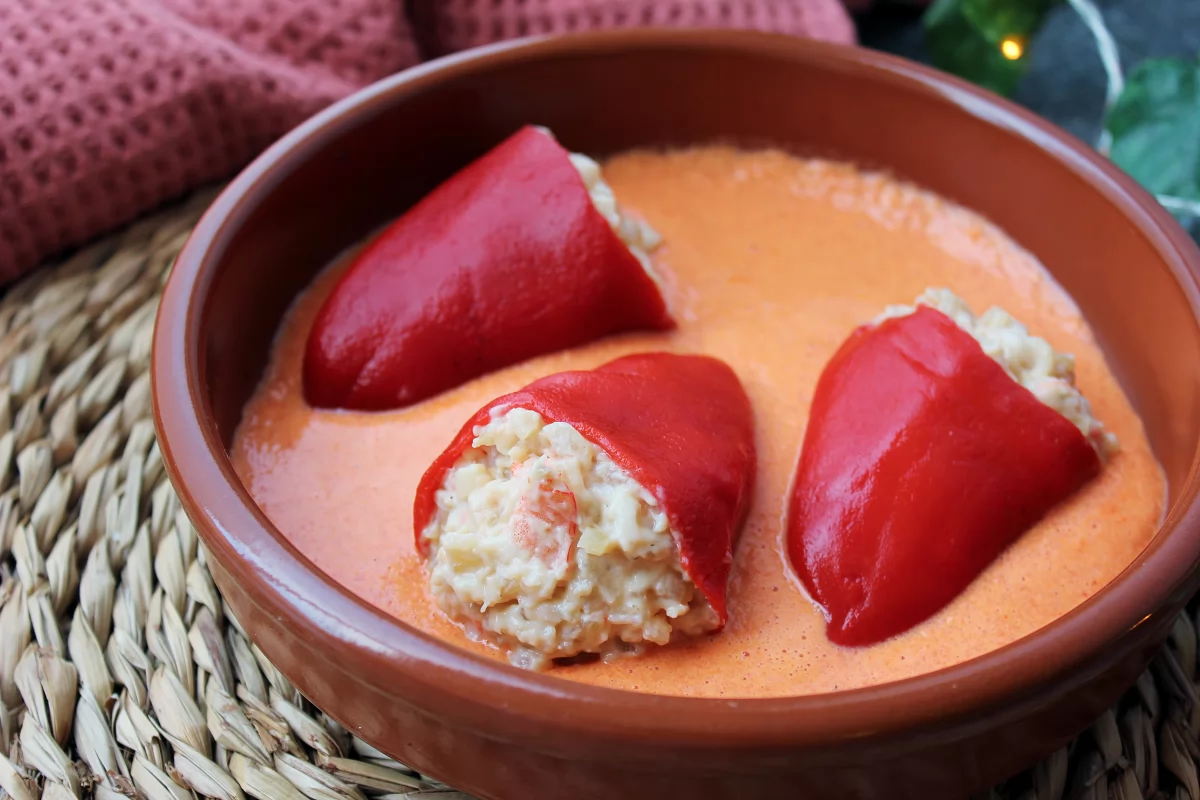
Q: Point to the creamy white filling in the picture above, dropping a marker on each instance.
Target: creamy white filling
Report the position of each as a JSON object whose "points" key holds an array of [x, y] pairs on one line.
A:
{"points": [[1029, 360], [544, 546], [635, 233], [638, 236]]}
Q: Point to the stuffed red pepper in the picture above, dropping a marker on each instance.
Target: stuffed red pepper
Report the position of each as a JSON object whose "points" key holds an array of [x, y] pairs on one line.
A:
{"points": [[523, 252], [592, 511], [935, 440]]}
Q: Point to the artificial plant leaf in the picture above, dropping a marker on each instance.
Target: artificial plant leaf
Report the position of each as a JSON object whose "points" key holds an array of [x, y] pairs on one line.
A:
{"points": [[1155, 127], [984, 41]]}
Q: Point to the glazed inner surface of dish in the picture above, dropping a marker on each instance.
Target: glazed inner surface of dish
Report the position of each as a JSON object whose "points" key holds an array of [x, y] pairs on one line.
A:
{"points": [[769, 262]]}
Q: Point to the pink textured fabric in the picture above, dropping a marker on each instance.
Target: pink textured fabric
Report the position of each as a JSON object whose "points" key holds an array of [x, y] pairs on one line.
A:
{"points": [[111, 107], [459, 24]]}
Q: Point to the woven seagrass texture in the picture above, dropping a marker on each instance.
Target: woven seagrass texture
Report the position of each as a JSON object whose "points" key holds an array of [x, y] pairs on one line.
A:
{"points": [[122, 673]]}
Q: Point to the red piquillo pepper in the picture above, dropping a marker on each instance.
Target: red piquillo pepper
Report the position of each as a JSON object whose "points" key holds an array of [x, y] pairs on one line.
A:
{"points": [[681, 426], [506, 260], [923, 460]]}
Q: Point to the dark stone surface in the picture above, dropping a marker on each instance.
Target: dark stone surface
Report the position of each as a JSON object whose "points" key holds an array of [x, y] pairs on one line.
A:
{"points": [[1066, 82]]}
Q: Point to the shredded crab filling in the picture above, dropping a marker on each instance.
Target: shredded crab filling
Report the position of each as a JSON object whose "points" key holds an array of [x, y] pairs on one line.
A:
{"points": [[1029, 360], [544, 546]]}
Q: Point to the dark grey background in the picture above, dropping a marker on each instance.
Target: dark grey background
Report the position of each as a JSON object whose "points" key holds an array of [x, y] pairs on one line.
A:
{"points": [[1066, 82]]}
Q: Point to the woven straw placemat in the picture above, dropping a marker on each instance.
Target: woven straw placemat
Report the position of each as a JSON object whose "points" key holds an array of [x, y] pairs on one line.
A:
{"points": [[122, 674]]}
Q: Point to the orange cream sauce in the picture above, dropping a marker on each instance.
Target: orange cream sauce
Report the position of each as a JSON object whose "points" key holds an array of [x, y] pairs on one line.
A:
{"points": [[769, 262]]}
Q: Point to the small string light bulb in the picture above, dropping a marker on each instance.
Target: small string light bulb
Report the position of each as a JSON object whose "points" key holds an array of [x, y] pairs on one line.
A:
{"points": [[1011, 48]]}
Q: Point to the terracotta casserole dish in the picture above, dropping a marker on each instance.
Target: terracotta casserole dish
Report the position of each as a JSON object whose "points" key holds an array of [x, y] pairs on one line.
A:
{"points": [[500, 732]]}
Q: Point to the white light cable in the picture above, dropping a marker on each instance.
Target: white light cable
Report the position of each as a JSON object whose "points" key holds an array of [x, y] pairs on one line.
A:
{"points": [[1106, 46], [1109, 57]]}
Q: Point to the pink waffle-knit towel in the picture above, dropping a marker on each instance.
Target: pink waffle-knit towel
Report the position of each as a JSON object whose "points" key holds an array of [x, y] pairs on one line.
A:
{"points": [[110, 107]]}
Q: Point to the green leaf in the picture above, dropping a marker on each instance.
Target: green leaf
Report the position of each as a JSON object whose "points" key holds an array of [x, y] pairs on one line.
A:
{"points": [[1155, 127], [984, 41]]}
